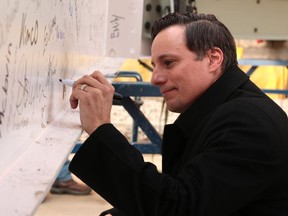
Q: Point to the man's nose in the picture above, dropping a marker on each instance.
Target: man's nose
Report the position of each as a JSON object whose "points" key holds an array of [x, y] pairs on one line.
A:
{"points": [[157, 78]]}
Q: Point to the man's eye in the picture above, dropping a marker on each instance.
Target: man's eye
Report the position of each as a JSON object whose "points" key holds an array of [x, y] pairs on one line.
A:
{"points": [[168, 62]]}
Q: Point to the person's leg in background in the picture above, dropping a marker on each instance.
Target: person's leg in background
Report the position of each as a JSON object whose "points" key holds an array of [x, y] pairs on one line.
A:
{"points": [[64, 183]]}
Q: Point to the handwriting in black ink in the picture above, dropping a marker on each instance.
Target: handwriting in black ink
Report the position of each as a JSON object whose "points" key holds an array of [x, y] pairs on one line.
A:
{"points": [[5, 28], [22, 86], [48, 30], [5, 88], [115, 26], [28, 35]]}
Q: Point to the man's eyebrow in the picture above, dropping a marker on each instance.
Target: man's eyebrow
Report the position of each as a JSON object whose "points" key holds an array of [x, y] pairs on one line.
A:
{"points": [[163, 56]]}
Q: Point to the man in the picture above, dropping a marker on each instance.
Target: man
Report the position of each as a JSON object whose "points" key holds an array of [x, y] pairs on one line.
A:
{"points": [[226, 154]]}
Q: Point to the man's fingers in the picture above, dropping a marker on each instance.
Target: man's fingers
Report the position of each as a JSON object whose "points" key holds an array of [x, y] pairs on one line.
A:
{"points": [[74, 97], [73, 102], [94, 81], [100, 77]]}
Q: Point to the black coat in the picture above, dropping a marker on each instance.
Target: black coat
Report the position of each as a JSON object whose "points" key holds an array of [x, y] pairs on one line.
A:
{"points": [[226, 155]]}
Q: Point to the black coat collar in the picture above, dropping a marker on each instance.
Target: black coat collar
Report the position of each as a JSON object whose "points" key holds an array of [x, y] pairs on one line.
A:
{"points": [[231, 79]]}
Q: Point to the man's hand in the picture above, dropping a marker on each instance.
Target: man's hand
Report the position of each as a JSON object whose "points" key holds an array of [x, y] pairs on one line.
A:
{"points": [[94, 95]]}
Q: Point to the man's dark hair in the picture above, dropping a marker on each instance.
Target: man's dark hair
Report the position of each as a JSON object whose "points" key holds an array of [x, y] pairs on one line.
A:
{"points": [[203, 33]]}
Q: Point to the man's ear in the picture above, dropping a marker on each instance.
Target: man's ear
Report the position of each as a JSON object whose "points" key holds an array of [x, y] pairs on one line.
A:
{"points": [[216, 58]]}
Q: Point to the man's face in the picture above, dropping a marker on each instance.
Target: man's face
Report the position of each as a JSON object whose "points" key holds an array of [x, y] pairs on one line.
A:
{"points": [[181, 78]]}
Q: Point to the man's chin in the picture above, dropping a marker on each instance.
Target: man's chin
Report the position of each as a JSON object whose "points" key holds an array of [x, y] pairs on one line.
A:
{"points": [[173, 107]]}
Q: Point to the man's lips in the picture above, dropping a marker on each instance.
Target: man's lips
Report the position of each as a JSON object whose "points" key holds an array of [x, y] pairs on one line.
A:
{"points": [[165, 91]]}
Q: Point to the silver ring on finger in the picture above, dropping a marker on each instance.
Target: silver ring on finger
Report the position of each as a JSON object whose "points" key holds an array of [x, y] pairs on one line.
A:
{"points": [[83, 86]]}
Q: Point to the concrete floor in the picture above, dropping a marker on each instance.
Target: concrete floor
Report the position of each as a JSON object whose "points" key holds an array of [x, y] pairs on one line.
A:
{"points": [[93, 204], [62, 205]]}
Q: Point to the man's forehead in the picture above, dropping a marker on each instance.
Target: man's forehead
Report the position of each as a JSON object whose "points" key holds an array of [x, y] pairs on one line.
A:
{"points": [[172, 29]]}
